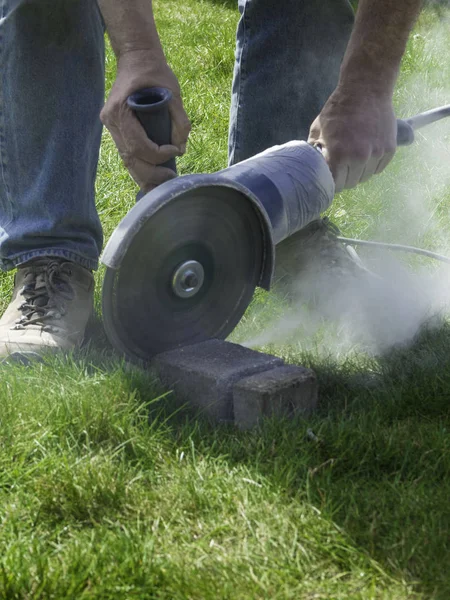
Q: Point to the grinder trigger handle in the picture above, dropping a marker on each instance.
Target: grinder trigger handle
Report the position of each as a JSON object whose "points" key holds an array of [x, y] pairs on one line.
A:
{"points": [[405, 133], [407, 127], [151, 107]]}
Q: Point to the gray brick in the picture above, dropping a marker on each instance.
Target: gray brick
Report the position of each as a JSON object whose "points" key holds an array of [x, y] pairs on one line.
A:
{"points": [[281, 392], [203, 374]]}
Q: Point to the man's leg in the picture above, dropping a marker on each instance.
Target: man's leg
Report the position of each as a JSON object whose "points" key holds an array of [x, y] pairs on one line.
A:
{"points": [[288, 56], [51, 94]]}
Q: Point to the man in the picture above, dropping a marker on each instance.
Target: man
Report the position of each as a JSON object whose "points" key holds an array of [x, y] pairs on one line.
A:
{"points": [[51, 94]]}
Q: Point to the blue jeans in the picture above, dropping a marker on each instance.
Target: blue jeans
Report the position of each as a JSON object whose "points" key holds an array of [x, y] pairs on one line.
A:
{"points": [[288, 55], [51, 94], [52, 89]]}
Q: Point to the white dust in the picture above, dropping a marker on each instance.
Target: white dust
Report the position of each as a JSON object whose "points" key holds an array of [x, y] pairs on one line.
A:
{"points": [[412, 203]]}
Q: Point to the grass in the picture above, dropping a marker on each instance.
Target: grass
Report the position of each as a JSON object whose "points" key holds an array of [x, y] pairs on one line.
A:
{"points": [[109, 490]]}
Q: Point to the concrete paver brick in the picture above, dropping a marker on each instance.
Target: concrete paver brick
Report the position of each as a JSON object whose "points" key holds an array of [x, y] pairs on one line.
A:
{"points": [[203, 374], [282, 392]]}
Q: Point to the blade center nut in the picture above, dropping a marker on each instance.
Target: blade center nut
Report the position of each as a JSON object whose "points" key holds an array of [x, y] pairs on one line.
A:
{"points": [[188, 278]]}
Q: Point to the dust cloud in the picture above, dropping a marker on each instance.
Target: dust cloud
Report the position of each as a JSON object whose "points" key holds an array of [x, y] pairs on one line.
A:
{"points": [[399, 294]]}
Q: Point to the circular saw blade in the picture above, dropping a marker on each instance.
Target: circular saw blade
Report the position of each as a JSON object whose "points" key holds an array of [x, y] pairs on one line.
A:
{"points": [[214, 227]]}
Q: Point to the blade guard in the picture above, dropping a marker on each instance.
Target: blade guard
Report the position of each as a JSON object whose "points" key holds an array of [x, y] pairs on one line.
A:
{"points": [[289, 186]]}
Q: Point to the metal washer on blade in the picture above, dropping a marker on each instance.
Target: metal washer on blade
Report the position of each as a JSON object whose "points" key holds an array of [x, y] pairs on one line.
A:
{"points": [[188, 278]]}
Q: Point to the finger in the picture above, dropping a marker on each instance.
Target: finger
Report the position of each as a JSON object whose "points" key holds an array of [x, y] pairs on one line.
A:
{"points": [[340, 178], [149, 176], [339, 169], [314, 132], [138, 144], [354, 174], [111, 118], [132, 141], [385, 160], [181, 126], [370, 169]]}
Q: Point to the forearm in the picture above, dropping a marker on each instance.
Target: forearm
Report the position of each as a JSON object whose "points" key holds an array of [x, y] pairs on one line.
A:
{"points": [[140, 64], [377, 44], [130, 25]]}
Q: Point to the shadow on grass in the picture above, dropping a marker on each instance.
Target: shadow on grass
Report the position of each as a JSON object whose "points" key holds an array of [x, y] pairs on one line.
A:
{"points": [[380, 463]]}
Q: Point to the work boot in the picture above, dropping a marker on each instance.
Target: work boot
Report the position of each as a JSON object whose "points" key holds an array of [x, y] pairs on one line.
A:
{"points": [[51, 305], [314, 253]]}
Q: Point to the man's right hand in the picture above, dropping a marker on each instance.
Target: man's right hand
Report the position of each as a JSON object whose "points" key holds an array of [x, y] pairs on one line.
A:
{"points": [[137, 69], [357, 133]]}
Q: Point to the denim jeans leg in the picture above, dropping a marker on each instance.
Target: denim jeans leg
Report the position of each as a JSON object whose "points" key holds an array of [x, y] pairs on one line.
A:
{"points": [[288, 56], [51, 94]]}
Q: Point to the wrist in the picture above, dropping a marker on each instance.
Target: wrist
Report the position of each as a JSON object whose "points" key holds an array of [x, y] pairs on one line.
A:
{"points": [[142, 68], [140, 55], [363, 77], [353, 99]]}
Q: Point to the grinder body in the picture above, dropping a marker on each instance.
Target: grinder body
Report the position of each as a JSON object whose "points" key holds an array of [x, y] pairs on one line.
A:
{"points": [[226, 225]]}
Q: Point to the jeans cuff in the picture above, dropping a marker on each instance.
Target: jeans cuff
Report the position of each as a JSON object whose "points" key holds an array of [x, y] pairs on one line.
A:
{"points": [[7, 264]]}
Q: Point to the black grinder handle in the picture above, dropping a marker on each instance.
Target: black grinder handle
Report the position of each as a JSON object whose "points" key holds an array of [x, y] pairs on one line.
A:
{"points": [[405, 133], [151, 107], [407, 127]]}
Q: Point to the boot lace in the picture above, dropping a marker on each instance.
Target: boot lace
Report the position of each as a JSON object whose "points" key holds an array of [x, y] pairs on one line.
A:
{"points": [[46, 291]]}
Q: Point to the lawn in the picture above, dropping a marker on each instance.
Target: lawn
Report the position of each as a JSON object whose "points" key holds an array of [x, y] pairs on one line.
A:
{"points": [[108, 489]]}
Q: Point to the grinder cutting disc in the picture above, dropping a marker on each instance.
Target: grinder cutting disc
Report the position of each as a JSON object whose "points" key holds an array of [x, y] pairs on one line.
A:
{"points": [[188, 274]]}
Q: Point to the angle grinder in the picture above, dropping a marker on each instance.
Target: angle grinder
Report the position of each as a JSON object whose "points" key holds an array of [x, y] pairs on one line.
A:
{"points": [[183, 264]]}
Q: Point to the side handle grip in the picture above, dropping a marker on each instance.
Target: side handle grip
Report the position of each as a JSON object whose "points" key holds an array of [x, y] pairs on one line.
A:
{"points": [[151, 108]]}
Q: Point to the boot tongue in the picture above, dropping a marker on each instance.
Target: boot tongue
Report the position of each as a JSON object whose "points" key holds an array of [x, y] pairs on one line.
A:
{"points": [[41, 291]]}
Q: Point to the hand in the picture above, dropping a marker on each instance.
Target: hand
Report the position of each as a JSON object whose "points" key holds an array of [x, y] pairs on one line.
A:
{"points": [[357, 131], [136, 70]]}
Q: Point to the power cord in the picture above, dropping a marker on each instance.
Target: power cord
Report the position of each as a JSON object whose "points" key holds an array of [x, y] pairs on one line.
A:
{"points": [[396, 247]]}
